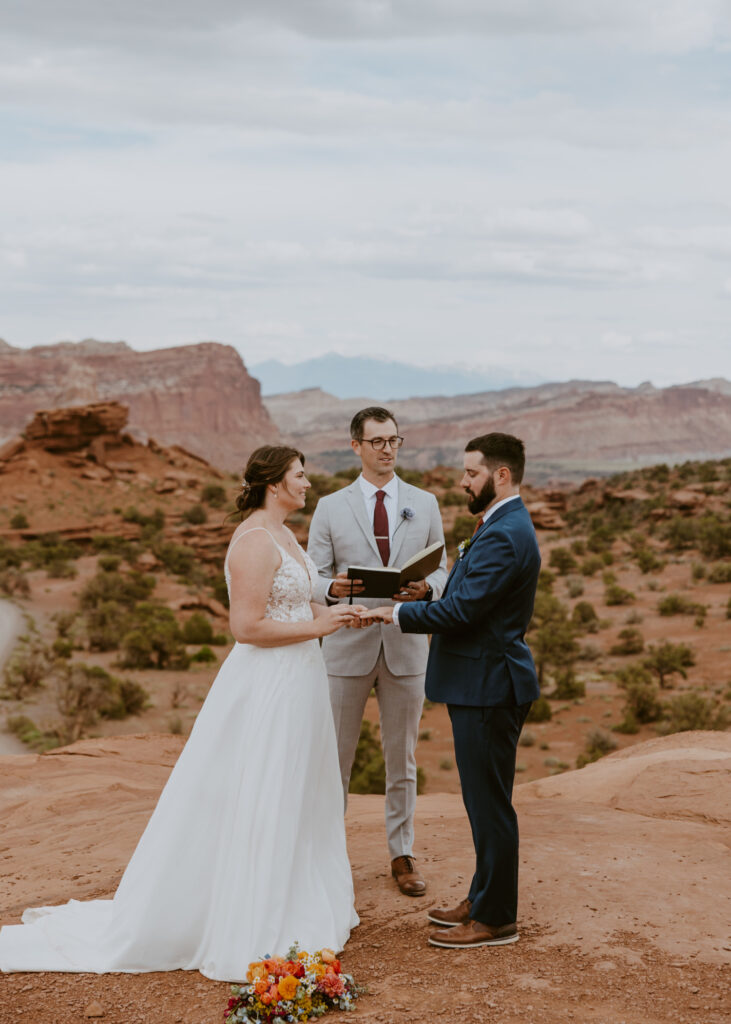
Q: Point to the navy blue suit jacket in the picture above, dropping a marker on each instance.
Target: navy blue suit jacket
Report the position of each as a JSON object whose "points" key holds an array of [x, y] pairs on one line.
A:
{"points": [[478, 655]]}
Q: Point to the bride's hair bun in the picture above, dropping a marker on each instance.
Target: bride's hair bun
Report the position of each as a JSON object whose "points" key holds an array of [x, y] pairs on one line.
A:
{"points": [[267, 465]]}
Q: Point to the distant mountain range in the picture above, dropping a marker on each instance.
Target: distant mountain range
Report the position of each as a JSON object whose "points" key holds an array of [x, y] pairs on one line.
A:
{"points": [[357, 376]]}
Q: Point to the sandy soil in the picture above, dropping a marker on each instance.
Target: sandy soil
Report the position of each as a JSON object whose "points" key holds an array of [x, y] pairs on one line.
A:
{"points": [[623, 871]]}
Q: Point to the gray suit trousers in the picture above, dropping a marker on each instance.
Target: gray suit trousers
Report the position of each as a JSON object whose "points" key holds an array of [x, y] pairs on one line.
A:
{"points": [[400, 703]]}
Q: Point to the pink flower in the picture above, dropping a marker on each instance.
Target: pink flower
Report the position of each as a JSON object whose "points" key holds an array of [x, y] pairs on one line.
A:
{"points": [[331, 985]]}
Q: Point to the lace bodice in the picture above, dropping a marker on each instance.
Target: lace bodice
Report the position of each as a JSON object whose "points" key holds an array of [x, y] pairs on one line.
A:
{"points": [[291, 593]]}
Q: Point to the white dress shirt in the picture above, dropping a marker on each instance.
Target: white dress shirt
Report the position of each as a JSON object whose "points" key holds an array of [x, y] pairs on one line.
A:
{"points": [[492, 508], [390, 501]]}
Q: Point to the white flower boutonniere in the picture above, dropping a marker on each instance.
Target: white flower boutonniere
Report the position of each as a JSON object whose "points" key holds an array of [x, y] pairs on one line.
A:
{"points": [[463, 547]]}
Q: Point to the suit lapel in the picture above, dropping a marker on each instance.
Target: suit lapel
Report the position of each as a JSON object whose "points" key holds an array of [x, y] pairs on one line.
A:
{"points": [[401, 525], [354, 497]]}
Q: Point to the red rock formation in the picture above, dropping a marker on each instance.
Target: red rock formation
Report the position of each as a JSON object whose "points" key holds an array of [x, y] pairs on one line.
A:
{"points": [[197, 396]]}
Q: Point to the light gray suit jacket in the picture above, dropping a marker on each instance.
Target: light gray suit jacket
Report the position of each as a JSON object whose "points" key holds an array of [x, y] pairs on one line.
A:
{"points": [[341, 535]]}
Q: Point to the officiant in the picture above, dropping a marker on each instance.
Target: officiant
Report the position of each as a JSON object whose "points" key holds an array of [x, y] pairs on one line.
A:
{"points": [[379, 520]]}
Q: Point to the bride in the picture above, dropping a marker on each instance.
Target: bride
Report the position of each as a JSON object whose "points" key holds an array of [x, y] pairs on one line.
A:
{"points": [[245, 852]]}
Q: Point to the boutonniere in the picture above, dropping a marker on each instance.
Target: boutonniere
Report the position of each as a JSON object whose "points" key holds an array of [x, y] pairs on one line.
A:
{"points": [[406, 513], [464, 547]]}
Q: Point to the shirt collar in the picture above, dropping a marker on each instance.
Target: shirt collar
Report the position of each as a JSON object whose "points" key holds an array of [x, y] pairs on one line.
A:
{"points": [[369, 489], [497, 505]]}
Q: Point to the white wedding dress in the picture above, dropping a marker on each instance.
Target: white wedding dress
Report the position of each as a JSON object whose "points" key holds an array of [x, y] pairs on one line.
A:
{"points": [[245, 852]]}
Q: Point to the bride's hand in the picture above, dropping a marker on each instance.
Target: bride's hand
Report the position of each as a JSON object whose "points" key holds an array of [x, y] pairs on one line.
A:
{"points": [[371, 615], [331, 619]]}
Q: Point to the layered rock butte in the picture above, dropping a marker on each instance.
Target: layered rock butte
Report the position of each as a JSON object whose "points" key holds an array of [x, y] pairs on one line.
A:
{"points": [[198, 396], [622, 917]]}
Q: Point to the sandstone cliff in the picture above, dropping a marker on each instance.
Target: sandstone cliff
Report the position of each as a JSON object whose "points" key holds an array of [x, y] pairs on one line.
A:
{"points": [[198, 396]]}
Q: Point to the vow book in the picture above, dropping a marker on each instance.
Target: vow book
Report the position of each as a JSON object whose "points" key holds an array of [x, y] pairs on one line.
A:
{"points": [[385, 580]]}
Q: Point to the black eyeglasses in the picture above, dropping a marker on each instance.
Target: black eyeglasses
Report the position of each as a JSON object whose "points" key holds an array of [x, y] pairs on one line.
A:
{"points": [[379, 443]]}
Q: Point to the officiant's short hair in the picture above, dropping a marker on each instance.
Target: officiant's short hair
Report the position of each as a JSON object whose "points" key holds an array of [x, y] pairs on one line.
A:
{"points": [[501, 450], [373, 412]]}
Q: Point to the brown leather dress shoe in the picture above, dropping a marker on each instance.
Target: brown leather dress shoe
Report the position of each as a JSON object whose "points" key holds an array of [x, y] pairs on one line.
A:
{"points": [[474, 933], [449, 918], [408, 879]]}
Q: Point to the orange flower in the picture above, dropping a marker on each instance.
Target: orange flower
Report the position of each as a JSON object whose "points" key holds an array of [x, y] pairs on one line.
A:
{"points": [[318, 970], [256, 971], [327, 955], [260, 987], [288, 987]]}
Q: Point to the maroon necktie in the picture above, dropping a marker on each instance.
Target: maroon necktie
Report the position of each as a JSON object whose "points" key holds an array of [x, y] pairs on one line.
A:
{"points": [[380, 527]]}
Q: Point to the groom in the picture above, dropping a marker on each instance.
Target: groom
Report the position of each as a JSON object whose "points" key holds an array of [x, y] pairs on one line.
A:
{"points": [[378, 520], [480, 666]]}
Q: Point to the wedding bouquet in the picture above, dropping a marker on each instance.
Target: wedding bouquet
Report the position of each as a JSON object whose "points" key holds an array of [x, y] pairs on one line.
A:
{"points": [[297, 987]]}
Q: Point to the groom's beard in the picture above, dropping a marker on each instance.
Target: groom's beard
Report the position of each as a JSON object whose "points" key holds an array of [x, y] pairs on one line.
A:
{"points": [[480, 501]]}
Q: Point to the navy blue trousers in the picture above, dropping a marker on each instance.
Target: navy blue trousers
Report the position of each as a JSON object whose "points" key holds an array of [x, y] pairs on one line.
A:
{"points": [[485, 744]]}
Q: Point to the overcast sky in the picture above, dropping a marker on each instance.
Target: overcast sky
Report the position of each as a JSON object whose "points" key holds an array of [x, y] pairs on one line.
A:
{"points": [[540, 185]]}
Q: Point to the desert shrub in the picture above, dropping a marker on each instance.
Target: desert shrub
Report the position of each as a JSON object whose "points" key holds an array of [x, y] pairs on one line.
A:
{"points": [[175, 725], [349, 474], [464, 527], [698, 571], [14, 583], [578, 547], [574, 586], [648, 561], [219, 589], [62, 648], [568, 686], [106, 624], [214, 495], [451, 498], [115, 545], [540, 711], [196, 515], [714, 536], [154, 639], [642, 702], [607, 558], [368, 774], [591, 565], [720, 573], [127, 697], [10, 556], [609, 577], [552, 635], [677, 604], [668, 659], [660, 472], [154, 521], [584, 617], [546, 579], [177, 558], [707, 472], [122, 589], [50, 552], [680, 533], [614, 595], [81, 693], [197, 629], [61, 569], [598, 744], [728, 609], [28, 668], [692, 711], [527, 738], [28, 732], [204, 655], [590, 652], [415, 477], [108, 563], [19, 521], [562, 561], [630, 641]]}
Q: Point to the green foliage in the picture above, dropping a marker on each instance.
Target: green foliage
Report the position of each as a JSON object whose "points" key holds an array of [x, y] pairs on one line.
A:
{"points": [[152, 523], [10, 556], [154, 639], [19, 521], [630, 641], [196, 515], [642, 703], [574, 586], [219, 589], [720, 573], [714, 536], [349, 474], [546, 579], [14, 582], [369, 769], [197, 629], [598, 744], [50, 552], [109, 563], [28, 732], [177, 558], [451, 498], [415, 477], [667, 659], [692, 711], [464, 527], [106, 623], [584, 617], [568, 686], [591, 565], [614, 595], [648, 561], [124, 589], [578, 547], [29, 667], [540, 711], [680, 533], [62, 648], [113, 544], [562, 561], [552, 635], [527, 738], [698, 571], [707, 472], [214, 495], [677, 604], [205, 655]]}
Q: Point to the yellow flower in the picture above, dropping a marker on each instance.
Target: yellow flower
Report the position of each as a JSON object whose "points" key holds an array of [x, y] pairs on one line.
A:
{"points": [[256, 972], [318, 970], [288, 987]]}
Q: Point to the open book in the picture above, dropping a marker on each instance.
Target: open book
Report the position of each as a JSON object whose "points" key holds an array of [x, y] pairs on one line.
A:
{"points": [[385, 580]]}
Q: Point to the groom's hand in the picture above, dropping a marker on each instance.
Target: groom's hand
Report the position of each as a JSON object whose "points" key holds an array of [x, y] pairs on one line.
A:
{"points": [[414, 591], [341, 586], [370, 615]]}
